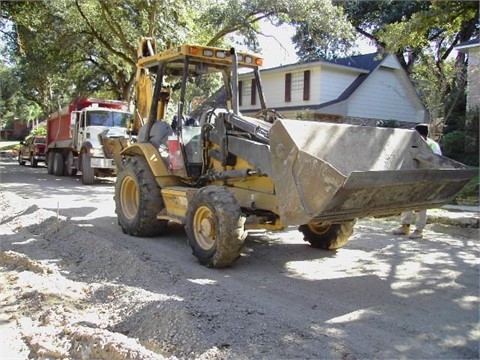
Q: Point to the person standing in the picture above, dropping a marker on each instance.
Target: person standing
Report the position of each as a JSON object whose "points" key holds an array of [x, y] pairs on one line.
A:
{"points": [[406, 217]]}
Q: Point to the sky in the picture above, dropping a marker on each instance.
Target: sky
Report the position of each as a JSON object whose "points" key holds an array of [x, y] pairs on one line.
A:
{"points": [[278, 48]]}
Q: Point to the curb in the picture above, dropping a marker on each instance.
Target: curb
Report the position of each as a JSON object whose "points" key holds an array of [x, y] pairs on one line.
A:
{"points": [[461, 221], [461, 218], [453, 215]]}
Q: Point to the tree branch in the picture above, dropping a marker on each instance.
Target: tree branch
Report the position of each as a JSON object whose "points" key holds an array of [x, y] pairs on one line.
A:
{"points": [[97, 36]]}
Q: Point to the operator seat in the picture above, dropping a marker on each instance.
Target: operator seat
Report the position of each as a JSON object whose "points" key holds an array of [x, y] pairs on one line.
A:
{"points": [[159, 133]]}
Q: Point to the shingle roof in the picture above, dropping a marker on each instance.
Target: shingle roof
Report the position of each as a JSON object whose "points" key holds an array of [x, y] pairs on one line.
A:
{"points": [[367, 62]]}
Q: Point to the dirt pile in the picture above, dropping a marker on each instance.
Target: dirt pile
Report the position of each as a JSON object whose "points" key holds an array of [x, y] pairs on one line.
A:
{"points": [[60, 299]]}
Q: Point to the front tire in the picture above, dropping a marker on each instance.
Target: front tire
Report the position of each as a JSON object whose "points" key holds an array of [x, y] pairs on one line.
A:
{"points": [[88, 177], [215, 227], [20, 160], [33, 162], [138, 199], [327, 237]]}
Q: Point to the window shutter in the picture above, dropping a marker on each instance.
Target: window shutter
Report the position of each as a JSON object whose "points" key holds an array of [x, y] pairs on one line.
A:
{"points": [[253, 99], [306, 85], [288, 87], [240, 88]]}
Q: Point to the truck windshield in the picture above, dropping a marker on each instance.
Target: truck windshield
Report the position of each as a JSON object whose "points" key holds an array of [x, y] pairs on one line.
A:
{"points": [[107, 118]]}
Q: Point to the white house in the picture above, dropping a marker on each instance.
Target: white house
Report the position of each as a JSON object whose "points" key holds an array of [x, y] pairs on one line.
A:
{"points": [[364, 89], [472, 48]]}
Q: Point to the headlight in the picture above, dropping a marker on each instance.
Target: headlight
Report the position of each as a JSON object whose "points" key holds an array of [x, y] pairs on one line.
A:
{"points": [[95, 152]]}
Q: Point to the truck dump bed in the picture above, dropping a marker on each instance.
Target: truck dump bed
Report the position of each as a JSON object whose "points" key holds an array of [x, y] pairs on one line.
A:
{"points": [[335, 172]]}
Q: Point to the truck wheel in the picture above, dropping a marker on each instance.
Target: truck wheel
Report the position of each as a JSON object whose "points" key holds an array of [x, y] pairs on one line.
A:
{"points": [[138, 199], [50, 162], [58, 164], [215, 227], [87, 170], [327, 237], [20, 160], [70, 169]]}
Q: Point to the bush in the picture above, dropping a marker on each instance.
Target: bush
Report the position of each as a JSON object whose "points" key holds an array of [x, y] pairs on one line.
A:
{"points": [[453, 143], [453, 146]]}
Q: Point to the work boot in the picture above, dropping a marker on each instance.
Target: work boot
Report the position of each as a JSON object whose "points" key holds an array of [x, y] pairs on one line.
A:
{"points": [[416, 234], [402, 230]]}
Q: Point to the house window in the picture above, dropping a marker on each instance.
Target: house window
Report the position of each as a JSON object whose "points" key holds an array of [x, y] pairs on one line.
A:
{"points": [[306, 85], [288, 87], [246, 89], [253, 97], [297, 84]]}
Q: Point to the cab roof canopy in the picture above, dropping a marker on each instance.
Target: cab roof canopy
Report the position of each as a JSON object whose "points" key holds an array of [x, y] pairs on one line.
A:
{"points": [[201, 60]]}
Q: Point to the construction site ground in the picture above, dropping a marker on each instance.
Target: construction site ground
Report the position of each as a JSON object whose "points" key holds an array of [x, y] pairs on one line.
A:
{"points": [[73, 286]]}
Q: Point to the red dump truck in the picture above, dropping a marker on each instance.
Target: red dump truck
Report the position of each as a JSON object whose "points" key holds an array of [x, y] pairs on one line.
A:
{"points": [[74, 137]]}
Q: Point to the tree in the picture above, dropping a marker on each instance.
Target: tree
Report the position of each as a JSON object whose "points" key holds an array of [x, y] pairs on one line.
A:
{"points": [[75, 48], [423, 34], [13, 105]]}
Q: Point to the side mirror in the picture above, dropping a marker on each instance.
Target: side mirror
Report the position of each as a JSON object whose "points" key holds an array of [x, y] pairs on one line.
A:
{"points": [[73, 118]]}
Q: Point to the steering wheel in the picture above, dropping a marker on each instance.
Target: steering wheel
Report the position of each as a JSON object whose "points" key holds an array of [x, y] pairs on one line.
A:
{"points": [[268, 114]]}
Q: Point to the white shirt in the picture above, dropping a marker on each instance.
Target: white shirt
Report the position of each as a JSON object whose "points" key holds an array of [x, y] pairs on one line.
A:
{"points": [[434, 146]]}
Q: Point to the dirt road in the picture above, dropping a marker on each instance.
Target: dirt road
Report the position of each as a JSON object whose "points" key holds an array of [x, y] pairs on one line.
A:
{"points": [[73, 286]]}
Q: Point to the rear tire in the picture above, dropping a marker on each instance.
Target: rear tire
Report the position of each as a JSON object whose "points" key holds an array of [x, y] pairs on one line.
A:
{"points": [[138, 199], [58, 164], [88, 177], [50, 161], [215, 227], [327, 237], [70, 170]]}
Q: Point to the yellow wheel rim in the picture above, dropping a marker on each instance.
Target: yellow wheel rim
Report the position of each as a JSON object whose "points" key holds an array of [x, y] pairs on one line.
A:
{"points": [[205, 228], [129, 197], [318, 228]]}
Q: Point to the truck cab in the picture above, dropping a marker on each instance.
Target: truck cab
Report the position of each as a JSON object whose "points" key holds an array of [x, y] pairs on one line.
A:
{"points": [[91, 124], [75, 136]]}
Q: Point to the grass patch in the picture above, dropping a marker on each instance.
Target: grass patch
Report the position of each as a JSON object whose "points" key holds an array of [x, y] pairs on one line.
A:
{"points": [[470, 193]]}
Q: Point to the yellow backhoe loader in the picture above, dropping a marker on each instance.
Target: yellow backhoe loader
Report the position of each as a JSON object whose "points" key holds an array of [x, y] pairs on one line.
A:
{"points": [[224, 173]]}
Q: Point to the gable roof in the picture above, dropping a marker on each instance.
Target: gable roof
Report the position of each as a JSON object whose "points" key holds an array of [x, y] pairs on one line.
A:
{"points": [[368, 62]]}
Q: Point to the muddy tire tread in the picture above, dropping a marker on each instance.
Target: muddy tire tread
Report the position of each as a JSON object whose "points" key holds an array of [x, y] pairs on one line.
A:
{"points": [[145, 222], [334, 238], [230, 235]]}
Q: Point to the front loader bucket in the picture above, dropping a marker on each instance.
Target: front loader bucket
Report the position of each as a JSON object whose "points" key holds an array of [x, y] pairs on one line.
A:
{"points": [[336, 172]]}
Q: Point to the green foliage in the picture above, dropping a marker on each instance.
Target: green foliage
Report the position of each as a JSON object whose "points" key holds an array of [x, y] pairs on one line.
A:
{"points": [[453, 143], [40, 130], [89, 48], [423, 35], [453, 146], [13, 104], [321, 36], [471, 190], [433, 82]]}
